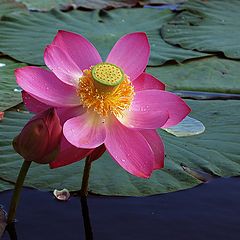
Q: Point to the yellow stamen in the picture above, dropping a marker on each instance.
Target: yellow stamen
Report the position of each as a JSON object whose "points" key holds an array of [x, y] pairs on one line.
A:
{"points": [[105, 103]]}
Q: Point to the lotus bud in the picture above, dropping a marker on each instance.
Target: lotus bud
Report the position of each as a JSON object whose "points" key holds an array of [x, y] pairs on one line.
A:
{"points": [[39, 140], [97, 152]]}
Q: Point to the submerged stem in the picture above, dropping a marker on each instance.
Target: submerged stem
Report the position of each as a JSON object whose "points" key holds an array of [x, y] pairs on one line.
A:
{"points": [[16, 194], [85, 178]]}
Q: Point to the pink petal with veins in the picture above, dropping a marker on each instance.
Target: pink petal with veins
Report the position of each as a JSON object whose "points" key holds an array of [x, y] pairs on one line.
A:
{"points": [[131, 53], [82, 52], [129, 149], [85, 131], [44, 86], [163, 102], [147, 81], [157, 146], [62, 65], [32, 104]]}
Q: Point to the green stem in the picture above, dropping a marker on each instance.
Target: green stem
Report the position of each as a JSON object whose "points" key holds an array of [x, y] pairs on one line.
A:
{"points": [[85, 178], [16, 194]]}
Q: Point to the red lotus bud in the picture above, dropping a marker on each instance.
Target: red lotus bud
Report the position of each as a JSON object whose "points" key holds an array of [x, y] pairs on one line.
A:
{"points": [[39, 140]]}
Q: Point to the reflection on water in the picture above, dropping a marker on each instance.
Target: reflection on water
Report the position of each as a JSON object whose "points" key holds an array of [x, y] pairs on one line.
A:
{"points": [[210, 211], [86, 219], [11, 230]]}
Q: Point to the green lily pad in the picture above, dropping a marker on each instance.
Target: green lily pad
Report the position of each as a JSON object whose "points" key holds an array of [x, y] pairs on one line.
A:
{"points": [[41, 5], [144, 2], [216, 151], [25, 37], [5, 185], [46, 5], [10, 6], [207, 74], [211, 26], [10, 94]]}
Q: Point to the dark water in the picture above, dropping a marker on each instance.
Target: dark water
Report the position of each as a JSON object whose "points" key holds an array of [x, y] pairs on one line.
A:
{"points": [[208, 212]]}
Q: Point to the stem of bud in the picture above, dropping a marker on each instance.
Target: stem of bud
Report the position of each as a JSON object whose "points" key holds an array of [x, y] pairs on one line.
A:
{"points": [[16, 194]]}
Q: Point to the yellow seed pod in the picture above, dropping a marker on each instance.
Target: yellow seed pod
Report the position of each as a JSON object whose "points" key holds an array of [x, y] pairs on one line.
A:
{"points": [[107, 74]]}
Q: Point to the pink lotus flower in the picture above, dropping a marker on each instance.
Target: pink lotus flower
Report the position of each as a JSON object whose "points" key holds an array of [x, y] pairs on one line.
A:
{"points": [[40, 138], [112, 104]]}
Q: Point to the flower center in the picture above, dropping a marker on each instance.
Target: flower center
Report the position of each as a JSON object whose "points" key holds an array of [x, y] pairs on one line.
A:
{"points": [[107, 74], [105, 89]]}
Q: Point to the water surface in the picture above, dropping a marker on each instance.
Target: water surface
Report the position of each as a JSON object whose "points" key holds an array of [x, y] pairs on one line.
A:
{"points": [[207, 212]]}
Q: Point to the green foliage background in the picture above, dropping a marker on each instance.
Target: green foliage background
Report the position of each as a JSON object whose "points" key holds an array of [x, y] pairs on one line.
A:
{"points": [[194, 49]]}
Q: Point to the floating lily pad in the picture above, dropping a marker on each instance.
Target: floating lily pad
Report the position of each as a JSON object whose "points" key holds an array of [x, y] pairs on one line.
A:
{"points": [[208, 74], [215, 151], [10, 94], [10, 6], [143, 2], [211, 26], [187, 127], [161, 1], [41, 5], [25, 37], [102, 4], [46, 5], [5, 185]]}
